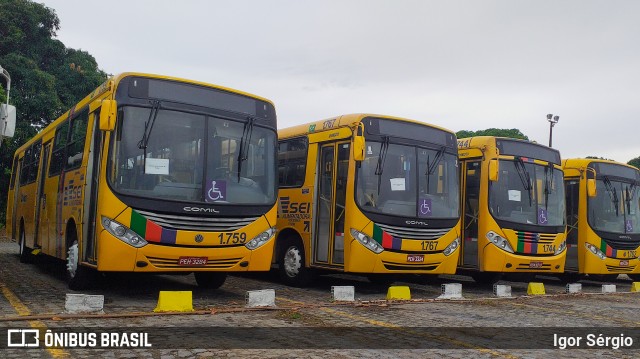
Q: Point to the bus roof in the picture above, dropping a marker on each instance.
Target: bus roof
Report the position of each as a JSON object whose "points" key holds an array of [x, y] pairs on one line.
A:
{"points": [[577, 163], [348, 120], [511, 146], [109, 86]]}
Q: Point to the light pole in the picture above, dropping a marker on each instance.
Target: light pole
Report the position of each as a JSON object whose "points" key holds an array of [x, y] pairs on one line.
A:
{"points": [[552, 121]]}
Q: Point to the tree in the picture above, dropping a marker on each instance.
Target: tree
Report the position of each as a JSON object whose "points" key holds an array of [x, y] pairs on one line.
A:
{"points": [[635, 162], [498, 132], [46, 77]]}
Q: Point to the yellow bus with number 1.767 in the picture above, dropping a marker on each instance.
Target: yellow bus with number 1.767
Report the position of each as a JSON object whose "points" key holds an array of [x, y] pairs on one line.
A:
{"points": [[368, 194], [150, 174]]}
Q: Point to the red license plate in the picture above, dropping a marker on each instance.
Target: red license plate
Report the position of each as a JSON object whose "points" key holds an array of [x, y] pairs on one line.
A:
{"points": [[624, 263], [535, 265], [192, 261], [415, 258]]}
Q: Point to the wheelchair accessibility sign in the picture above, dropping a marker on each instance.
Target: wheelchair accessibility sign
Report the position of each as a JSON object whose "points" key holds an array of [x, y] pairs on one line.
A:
{"points": [[216, 191], [424, 207]]}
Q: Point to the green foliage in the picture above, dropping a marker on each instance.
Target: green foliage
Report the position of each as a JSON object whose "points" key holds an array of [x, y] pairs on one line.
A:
{"points": [[498, 132], [635, 162], [599, 158], [46, 77]]}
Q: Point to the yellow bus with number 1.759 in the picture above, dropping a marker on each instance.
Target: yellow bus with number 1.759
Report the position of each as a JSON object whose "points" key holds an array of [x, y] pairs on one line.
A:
{"points": [[152, 174], [367, 194]]}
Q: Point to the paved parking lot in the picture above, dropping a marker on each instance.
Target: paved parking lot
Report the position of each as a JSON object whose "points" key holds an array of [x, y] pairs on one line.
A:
{"points": [[306, 323]]}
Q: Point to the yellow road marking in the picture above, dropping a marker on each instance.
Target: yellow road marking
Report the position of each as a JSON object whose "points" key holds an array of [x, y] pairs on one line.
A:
{"points": [[23, 311], [406, 330]]}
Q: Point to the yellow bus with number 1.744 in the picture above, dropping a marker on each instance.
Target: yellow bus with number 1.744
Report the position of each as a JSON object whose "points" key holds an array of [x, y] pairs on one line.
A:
{"points": [[513, 205], [368, 194], [151, 174]]}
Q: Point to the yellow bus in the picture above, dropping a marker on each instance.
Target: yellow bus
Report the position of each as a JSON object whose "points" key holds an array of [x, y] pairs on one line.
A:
{"points": [[513, 205], [367, 194], [150, 173], [603, 218]]}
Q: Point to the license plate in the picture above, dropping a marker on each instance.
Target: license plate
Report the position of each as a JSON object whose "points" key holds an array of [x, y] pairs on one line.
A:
{"points": [[415, 258], [624, 263], [535, 265], [192, 261]]}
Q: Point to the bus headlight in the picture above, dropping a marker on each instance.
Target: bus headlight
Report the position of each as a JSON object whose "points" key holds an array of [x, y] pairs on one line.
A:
{"points": [[366, 241], [123, 233], [595, 250], [261, 239], [499, 241], [452, 247], [561, 248]]}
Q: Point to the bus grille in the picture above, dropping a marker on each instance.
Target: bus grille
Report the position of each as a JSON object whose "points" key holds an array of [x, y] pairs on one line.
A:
{"points": [[414, 233], [618, 269], [410, 267], [190, 223], [622, 244], [536, 237], [211, 263]]}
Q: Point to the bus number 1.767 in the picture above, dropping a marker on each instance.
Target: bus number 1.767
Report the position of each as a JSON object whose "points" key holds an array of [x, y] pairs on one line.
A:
{"points": [[429, 245]]}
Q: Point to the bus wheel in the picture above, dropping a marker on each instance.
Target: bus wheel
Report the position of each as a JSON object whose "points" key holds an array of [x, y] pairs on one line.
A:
{"points": [[291, 265], [210, 280], [78, 277], [486, 277], [25, 252]]}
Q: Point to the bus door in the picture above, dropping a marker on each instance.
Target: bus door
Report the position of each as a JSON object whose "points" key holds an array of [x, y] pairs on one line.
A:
{"points": [[91, 194], [572, 197], [471, 203], [41, 224], [16, 196], [328, 240]]}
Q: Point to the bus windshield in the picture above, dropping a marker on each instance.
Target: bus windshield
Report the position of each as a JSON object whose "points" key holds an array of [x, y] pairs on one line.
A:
{"points": [[615, 208], [409, 181], [528, 193], [173, 155]]}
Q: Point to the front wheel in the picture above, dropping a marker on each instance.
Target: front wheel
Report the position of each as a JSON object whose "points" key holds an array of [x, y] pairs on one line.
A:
{"points": [[292, 269], [210, 280], [25, 252], [78, 277]]}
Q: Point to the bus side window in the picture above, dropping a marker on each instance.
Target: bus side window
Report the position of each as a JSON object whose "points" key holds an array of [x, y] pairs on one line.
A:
{"points": [[59, 145], [292, 162], [12, 181], [75, 147], [24, 170]]}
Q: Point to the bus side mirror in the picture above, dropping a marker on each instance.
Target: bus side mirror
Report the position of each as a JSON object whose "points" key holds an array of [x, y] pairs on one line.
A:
{"points": [[358, 143], [494, 170], [7, 120], [591, 187], [108, 115]]}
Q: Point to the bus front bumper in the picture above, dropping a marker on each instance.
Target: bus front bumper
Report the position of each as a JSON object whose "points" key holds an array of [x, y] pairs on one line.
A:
{"points": [[594, 265], [497, 260], [115, 255], [365, 261]]}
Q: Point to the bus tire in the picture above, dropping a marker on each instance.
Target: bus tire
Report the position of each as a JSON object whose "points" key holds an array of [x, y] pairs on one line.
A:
{"points": [[78, 277], [486, 277], [210, 280], [292, 267], [25, 252]]}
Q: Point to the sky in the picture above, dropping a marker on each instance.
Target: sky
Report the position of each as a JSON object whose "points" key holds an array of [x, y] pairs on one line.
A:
{"points": [[462, 65]]}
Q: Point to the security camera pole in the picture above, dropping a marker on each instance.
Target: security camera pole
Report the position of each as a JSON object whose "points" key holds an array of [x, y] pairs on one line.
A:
{"points": [[7, 112], [552, 121]]}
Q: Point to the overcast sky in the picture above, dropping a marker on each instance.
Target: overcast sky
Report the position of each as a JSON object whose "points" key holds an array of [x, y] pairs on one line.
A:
{"points": [[463, 65]]}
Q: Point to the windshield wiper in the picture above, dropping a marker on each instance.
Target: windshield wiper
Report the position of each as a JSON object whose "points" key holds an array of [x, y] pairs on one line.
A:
{"points": [[382, 156], [245, 141], [548, 183], [148, 126], [524, 176], [431, 166], [631, 191], [612, 192]]}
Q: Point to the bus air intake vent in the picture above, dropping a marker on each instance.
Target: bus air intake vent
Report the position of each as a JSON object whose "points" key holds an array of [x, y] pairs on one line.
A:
{"points": [[201, 224], [415, 233]]}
